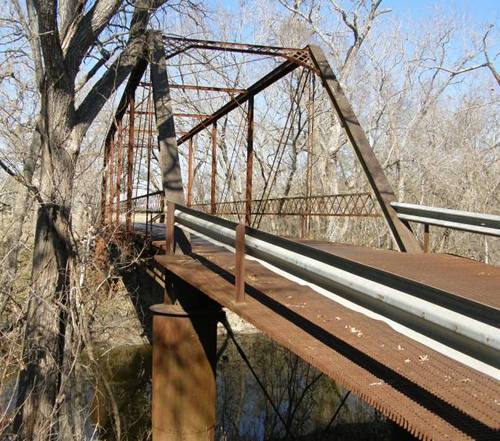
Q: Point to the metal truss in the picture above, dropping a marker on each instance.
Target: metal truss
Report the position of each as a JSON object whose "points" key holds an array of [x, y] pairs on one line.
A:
{"points": [[351, 204], [341, 205], [177, 45]]}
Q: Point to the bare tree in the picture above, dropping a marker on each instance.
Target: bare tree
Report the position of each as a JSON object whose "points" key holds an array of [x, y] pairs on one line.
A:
{"points": [[68, 33]]}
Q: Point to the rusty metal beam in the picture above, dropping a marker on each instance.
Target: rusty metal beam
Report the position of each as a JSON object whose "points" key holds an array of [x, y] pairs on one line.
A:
{"points": [[119, 170], [401, 233], [182, 44], [200, 88], [190, 173], [239, 267], [180, 115], [213, 175], [192, 115], [339, 205], [133, 81], [249, 177], [135, 76], [264, 82], [110, 183], [130, 162]]}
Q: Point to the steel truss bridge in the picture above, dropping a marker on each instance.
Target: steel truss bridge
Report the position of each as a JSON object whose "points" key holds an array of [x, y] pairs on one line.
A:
{"points": [[414, 334]]}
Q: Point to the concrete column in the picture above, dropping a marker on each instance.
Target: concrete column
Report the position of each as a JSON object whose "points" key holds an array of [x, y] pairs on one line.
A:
{"points": [[184, 388]]}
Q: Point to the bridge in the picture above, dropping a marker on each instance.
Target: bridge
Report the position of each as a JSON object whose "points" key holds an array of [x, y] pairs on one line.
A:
{"points": [[412, 333]]}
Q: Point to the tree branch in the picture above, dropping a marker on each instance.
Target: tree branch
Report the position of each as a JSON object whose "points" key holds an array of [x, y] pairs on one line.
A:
{"points": [[110, 81], [46, 11], [119, 70], [19, 178], [84, 31], [489, 63]]}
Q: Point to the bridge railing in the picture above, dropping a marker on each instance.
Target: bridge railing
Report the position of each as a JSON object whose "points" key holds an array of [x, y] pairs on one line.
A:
{"points": [[460, 323], [487, 224], [149, 208], [342, 204]]}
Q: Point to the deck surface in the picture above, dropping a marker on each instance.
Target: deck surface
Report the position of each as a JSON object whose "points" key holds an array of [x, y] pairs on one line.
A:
{"points": [[431, 395]]}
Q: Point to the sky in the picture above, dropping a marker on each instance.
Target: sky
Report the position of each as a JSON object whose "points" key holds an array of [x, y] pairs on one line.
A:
{"points": [[486, 11], [479, 13]]}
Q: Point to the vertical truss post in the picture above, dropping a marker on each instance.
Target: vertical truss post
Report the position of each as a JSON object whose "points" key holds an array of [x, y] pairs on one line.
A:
{"points": [[133, 81], [250, 127], [190, 173], [111, 178], [239, 271], [401, 233], [105, 183], [167, 141], [213, 180], [149, 149], [119, 171], [306, 223], [130, 161]]}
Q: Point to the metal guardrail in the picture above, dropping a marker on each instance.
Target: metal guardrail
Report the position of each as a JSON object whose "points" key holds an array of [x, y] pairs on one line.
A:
{"points": [[460, 323], [488, 224]]}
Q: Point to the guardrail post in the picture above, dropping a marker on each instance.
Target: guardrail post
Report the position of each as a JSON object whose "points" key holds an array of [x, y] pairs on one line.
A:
{"points": [[170, 228], [239, 246], [184, 373], [426, 238]]}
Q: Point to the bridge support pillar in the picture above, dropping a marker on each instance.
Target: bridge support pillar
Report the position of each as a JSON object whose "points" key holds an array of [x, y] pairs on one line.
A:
{"points": [[184, 388]]}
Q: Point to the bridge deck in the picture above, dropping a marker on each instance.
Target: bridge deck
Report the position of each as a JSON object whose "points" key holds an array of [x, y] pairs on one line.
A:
{"points": [[431, 395]]}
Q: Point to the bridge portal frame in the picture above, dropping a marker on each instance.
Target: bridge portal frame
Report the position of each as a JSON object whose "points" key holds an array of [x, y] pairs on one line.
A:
{"points": [[312, 58]]}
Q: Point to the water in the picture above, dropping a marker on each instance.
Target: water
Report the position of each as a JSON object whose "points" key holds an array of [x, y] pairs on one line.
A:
{"points": [[306, 399]]}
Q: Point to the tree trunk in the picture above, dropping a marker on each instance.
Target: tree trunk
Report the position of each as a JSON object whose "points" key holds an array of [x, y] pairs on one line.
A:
{"points": [[39, 396], [21, 206]]}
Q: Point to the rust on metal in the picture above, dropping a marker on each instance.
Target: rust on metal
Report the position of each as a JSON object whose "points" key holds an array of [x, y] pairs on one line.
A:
{"points": [[239, 245], [348, 204], [179, 115], [237, 101], [179, 45], [426, 228], [199, 87], [119, 170], [130, 163], [420, 389], [190, 173], [401, 233], [110, 182], [183, 384], [213, 173], [249, 165], [170, 228], [465, 278], [337, 205]]}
